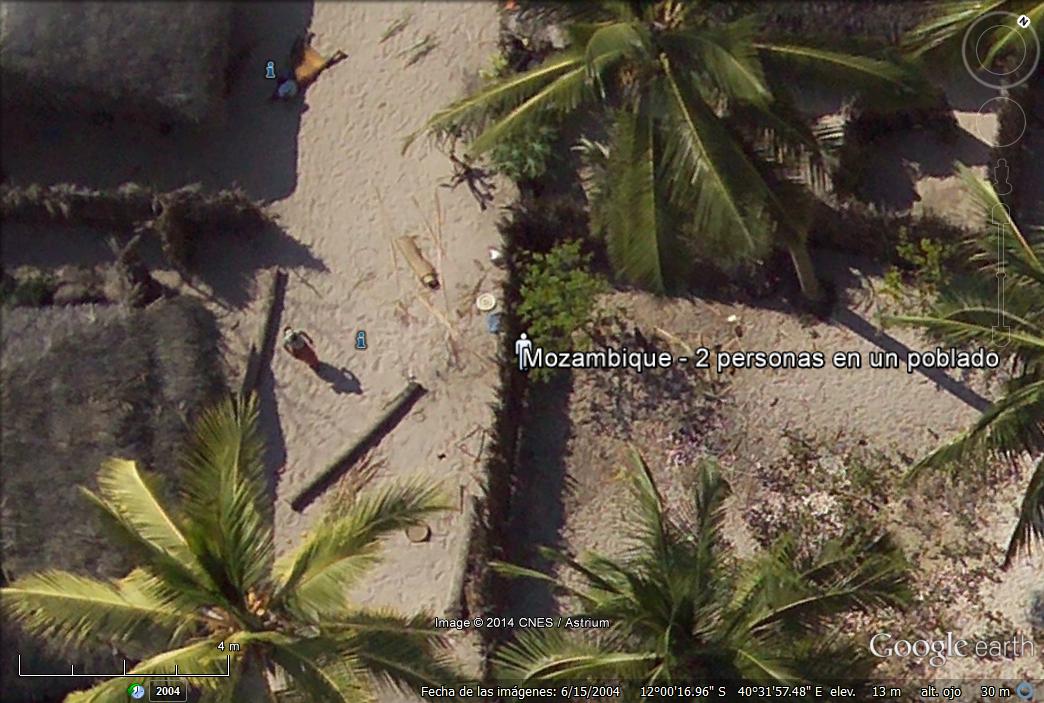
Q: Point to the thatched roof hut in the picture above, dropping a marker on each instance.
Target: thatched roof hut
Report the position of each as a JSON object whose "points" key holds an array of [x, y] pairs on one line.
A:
{"points": [[81, 384], [156, 60]]}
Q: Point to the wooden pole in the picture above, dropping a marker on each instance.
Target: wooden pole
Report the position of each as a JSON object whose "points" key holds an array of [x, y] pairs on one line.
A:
{"points": [[392, 415]]}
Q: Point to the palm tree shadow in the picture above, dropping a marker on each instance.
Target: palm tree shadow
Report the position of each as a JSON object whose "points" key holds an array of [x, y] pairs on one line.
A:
{"points": [[897, 160], [341, 380], [271, 428], [876, 336]]}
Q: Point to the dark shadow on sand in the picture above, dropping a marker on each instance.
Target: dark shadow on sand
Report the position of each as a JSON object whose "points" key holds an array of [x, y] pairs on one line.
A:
{"points": [[876, 336], [898, 160], [341, 380], [253, 147], [228, 266], [271, 428], [537, 512]]}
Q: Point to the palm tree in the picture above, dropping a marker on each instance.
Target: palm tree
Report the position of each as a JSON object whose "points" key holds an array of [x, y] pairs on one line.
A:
{"points": [[1004, 312], [207, 578], [944, 32], [680, 607], [700, 128]]}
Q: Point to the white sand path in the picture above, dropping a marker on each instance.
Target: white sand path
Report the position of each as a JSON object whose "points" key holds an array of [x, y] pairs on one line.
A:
{"points": [[355, 192]]}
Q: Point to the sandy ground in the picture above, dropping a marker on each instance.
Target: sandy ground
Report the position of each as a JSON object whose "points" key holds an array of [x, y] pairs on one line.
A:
{"points": [[742, 418], [342, 190], [355, 192]]}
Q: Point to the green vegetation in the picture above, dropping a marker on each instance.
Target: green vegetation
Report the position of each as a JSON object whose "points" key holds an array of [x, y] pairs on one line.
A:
{"points": [[1012, 324], [701, 134], [559, 294], [943, 34], [208, 578], [926, 264], [682, 607], [525, 155]]}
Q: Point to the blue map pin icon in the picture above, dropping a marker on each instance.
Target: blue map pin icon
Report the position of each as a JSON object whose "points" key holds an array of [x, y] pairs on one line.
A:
{"points": [[270, 70]]}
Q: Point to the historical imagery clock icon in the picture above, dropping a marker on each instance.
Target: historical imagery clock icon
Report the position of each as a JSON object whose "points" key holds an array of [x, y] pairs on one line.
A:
{"points": [[136, 691]]}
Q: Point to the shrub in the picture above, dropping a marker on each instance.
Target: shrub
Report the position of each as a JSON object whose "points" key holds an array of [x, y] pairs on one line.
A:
{"points": [[928, 265], [526, 155], [559, 294]]}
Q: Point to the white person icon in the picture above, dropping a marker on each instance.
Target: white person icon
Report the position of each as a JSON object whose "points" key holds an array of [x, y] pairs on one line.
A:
{"points": [[522, 344]]}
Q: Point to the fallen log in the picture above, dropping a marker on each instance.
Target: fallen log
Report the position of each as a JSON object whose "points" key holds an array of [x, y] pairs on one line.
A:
{"points": [[395, 411], [422, 268]]}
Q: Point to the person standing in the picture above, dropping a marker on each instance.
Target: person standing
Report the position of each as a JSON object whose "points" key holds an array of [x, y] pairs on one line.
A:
{"points": [[300, 346]]}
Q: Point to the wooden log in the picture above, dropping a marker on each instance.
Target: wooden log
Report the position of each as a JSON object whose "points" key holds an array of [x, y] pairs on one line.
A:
{"points": [[422, 268], [392, 415], [263, 347]]}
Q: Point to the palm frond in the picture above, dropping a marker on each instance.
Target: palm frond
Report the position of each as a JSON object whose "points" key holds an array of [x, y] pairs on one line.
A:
{"points": [[709, 512], [1030, 527], [76, 610], [551, 655], [316, 577], [226, 495], [315, 669], [781, 135], [945, 31], [999, 216], [992, 327], [723, 59], [500, 96], [638, 235], [141, 524], [606, 46], [648, 523], [847, 575], [406, 653], [891, 83], [123, 488], [617, 40], [563, 95], [765, 665], [708, 171], [1007, 37], [1011, 425]]}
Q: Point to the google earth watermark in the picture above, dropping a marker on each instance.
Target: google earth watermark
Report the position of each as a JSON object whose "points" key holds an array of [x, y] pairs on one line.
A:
{"points": [[936, 652]]}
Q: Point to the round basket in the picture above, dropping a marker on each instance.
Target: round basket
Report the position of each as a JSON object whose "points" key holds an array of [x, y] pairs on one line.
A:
{"points": [[418, 533], [486, 302]]}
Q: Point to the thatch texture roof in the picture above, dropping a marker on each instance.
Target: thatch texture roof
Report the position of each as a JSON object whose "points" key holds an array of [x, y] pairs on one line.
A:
{"points": [[159, 60], [81, 384]]}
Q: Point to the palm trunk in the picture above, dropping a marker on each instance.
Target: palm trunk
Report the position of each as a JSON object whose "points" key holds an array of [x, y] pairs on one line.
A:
{"points": [[254, 684], [806, 272]]}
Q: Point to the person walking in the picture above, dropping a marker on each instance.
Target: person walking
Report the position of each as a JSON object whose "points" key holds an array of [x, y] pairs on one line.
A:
{"points": [[301, 346]]}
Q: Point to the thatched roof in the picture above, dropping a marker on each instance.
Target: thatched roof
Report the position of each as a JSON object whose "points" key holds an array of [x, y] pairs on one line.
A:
{"points": [[81, 384], [160, 60]]}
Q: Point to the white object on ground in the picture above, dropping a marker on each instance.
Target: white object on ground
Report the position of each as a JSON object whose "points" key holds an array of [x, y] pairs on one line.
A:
{"points": [[486, 302]]}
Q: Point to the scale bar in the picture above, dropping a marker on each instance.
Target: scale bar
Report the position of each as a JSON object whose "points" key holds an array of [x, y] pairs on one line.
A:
{"points": [[176, 674]]}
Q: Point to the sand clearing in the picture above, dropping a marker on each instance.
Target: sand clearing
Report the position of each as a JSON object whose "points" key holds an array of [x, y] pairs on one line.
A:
{"points": [[355, 195]]}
